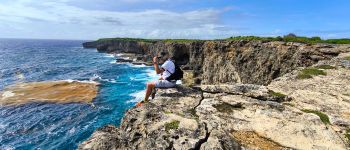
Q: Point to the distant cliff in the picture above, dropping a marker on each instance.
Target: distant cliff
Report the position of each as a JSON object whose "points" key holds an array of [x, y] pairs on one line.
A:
{"points": [[227, 61]]}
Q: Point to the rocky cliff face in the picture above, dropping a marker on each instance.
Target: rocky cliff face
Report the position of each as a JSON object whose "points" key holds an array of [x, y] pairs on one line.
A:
{"points": [[295, 108], [253, 62]]}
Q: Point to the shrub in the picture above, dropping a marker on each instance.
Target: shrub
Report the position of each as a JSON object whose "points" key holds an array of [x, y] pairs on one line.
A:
{"points": [[277, 94], [325, 67], [172, 125], [347, 58], [324, 118], [309, 72]]}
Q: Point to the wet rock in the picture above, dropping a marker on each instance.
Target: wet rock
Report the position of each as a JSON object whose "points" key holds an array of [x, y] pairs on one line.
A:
{"points": [[49, 91]]}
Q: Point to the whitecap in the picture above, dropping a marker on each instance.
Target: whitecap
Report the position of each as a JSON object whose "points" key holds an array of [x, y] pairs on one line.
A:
{"points": [[109, 56], [7, 94], [81, 81], [96, 77], [137, 96]]}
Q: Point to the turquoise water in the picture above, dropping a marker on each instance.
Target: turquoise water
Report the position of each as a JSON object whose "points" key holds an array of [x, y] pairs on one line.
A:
{"points": [[64, 126]]}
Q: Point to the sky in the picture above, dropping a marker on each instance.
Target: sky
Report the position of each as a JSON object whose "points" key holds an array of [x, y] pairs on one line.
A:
{"points": [[172, 19]]}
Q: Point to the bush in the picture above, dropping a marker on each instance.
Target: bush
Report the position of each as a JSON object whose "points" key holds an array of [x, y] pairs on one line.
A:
{"points": [[325, 67], [347, 58], [324, 118], [310, 72], [172, 125], [292, 38], [277, 94]]}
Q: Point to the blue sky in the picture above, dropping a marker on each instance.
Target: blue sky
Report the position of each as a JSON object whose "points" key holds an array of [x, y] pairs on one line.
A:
{"points": [[200, 19]]}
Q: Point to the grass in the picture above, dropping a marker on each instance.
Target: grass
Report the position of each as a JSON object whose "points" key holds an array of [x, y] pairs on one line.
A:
{"points": [[289, 104], [227, 108], [347, 58], [128, 39], [288, 38], [324, 118], [149, 40], [347, 135], [325, 67], [172, 125], [276, 94], [310, 72], [299, 39]]}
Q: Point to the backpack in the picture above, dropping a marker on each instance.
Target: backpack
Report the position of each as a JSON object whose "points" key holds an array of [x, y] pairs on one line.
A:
{"points": [[177, 75]]}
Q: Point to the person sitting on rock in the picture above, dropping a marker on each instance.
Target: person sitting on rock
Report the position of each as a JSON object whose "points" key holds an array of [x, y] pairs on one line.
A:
{"points": [[166, 70]]}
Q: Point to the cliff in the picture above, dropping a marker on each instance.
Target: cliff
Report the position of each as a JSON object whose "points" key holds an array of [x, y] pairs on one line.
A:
{"points": [[254, 62], [252, 95]]}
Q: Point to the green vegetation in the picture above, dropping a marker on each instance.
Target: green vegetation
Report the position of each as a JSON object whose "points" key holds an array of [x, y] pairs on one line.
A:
{"points": [[128, 39], [292, 38], [287, 38], [172, 125], [181, 40], [227, 108], [309, 72], [289, 104], [148, 40], [347, 135], [347, 58], [325, 67], [324, 118], [276, 94]]}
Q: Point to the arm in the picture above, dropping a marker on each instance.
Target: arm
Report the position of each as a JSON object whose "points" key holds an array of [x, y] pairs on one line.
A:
{"points": [[156, 66]]}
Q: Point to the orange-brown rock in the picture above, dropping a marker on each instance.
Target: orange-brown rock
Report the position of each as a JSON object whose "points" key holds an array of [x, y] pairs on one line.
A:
{"points": [[49, 91]]}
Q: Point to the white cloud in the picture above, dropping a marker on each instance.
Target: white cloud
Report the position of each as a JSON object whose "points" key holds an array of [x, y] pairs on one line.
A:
{"points": [[58, 19]]}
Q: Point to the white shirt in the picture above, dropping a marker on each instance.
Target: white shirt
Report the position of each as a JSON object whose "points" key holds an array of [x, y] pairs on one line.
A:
{"points": [[168, 66]]}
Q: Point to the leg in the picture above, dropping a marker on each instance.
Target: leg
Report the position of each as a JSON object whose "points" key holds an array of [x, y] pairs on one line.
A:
{"points": [[150, 86]]}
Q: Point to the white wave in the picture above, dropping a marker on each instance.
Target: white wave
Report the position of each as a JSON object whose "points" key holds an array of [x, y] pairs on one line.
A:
{"points": [[137, 96], [138, 66], [98, 78], [84, 81], [113, 62], [109, 56], [2, 126], [7, 94]]}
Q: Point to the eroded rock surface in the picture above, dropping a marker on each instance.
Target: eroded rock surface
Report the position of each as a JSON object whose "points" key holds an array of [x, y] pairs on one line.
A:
{"points": [[289, 113], [222, 62], [49, 91]]}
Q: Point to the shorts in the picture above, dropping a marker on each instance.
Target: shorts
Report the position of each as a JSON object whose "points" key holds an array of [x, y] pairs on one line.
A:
{"points": [[165, 84]]}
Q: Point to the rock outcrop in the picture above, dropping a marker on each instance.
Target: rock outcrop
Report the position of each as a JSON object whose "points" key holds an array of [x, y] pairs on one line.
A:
{"points": [[215, 62], [49, 91], [299, 110]]}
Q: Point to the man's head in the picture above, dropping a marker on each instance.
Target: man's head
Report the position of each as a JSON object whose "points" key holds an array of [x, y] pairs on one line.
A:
{"points": [[163, 56]]}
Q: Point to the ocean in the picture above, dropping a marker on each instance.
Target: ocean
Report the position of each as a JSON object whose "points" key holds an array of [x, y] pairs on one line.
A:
{"points": [[64, 126]]}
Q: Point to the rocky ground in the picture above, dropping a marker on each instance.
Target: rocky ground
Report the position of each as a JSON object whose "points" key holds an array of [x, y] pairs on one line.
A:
{"points": [[308, 108]]}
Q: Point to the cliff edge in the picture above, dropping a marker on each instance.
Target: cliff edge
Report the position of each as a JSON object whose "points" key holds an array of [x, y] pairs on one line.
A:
{"points": [[242, 103]]}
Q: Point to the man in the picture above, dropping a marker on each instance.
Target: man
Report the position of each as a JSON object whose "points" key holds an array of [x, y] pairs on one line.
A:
{"points": [[167, 68]]}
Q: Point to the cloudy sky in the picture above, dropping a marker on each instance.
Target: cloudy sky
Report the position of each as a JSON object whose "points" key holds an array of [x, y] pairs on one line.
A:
{"points": [[200, 19]]}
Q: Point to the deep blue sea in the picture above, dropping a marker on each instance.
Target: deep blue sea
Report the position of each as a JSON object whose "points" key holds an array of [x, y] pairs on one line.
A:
{"points": [[64, 126]]}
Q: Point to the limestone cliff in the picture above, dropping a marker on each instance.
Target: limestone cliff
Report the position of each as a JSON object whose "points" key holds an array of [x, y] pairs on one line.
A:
{"points": [[213, 62], [253, 95]]}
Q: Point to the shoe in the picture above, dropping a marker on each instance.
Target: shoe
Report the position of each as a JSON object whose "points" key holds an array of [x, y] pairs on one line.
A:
{"points": [[139, 104], [154, 91]]}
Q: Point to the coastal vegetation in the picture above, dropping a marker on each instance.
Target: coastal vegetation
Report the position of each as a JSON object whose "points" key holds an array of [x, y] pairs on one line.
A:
{"points": [[277, 94], [347, 58], [324, 118], [325, 67], [287, 38], [307, 73], [174, 124]]}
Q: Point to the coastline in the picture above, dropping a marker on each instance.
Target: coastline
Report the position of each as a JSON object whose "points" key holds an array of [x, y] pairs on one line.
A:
{"points": [[240, 115]]}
